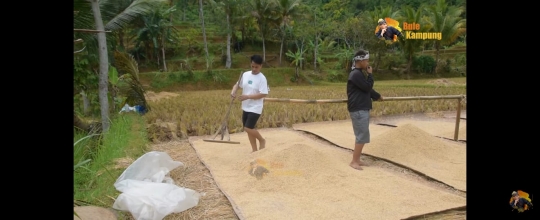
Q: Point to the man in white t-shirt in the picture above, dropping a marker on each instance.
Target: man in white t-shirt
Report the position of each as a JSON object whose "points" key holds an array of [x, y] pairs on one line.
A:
{"points": [[254, 89]]}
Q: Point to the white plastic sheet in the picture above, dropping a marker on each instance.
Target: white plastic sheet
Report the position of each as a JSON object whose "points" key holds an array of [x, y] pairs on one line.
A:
{"points": [[147, 190]]}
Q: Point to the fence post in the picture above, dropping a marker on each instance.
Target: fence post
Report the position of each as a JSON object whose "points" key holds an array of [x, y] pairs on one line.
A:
{"points": [[458, 119]]}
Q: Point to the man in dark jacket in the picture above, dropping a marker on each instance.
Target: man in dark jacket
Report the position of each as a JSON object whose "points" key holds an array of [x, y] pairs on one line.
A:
{"points": [[386, 31], [519, 203], [360, 94]]}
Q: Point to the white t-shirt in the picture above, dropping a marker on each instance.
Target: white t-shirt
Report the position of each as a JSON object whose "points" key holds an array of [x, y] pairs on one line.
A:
{"points": [[253, 84]]}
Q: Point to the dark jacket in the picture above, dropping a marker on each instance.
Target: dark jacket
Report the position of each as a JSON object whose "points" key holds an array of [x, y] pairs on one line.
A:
{"points": [[520, 203], [389, 34], [360, 91]]}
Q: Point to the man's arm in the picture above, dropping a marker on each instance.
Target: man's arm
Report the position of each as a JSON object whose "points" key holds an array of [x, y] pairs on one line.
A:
{"points": [[235, 88], [528, 203], [375, 95], [257, 96], [378, 34], [263, 92], [397, 32]]}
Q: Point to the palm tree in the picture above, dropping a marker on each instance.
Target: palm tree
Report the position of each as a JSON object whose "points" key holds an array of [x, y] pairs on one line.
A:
{"points": [[230, 8], [103, 66], [83, 18], [201, 15], [156, 31], [411, 46], [288, 9], [297, 58], [263, 11], [445, 19]]}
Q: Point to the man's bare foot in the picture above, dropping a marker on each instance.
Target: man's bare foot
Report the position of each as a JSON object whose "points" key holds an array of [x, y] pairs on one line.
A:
{"points": [[355, 166], [262, 143], [363, 164]]}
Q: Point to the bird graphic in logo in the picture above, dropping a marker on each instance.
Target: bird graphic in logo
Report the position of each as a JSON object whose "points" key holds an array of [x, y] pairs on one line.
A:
{"points": [[520, 200]]}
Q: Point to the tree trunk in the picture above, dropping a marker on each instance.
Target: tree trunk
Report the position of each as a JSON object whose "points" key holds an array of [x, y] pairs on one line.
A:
{"points": [[281, 46], [201, 14], [184, 14], [148, 51], [163, 51], [229, 33], [243, 30], [437, 46], [264, 48], [378, 61], [86, 103], [297, 75], [409, 65], [103, 67], [156, 52], [315, 53]]}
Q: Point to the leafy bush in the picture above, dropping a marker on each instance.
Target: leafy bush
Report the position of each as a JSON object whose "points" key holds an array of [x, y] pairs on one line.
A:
{"points": [[424, 64]]}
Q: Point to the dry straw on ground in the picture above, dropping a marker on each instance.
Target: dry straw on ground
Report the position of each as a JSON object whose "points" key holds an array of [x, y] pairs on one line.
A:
{"points": [[194, 175]]}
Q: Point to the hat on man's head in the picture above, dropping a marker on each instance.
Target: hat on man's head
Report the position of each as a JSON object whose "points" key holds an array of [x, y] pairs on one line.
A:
{"points": [[514, 193], [381, 21]]}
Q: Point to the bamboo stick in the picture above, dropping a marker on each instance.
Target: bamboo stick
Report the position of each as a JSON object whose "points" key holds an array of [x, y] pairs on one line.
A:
{"points": [[345, 100], [458, 97], [458, 119]]}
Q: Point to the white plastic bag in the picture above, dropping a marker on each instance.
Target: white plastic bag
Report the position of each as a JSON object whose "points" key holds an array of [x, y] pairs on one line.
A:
{"points": [[147, 190]]}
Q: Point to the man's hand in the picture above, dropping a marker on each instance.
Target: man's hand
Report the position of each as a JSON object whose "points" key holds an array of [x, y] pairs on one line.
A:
{"points": [[233, 95], [382, 32], [381, 98], [369, 69], [243, 97]]}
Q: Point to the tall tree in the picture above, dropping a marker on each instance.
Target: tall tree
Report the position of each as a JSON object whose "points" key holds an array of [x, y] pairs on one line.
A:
{"points": [[263, 11], [288, 9], [201, 15], [229, 9], [445, 19], [103, 66], [411, 46], [116, 20]]}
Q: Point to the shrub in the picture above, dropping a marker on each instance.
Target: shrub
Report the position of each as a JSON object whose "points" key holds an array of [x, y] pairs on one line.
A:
{"points": [[424, 64]]}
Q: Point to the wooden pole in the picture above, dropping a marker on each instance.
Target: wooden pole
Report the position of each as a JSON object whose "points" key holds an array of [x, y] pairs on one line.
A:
{"points": [[458, 97], [345, 100], [458, 119]]}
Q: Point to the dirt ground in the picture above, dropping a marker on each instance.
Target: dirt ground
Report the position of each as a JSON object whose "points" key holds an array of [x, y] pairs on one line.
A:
{"points": [[308, 174]]}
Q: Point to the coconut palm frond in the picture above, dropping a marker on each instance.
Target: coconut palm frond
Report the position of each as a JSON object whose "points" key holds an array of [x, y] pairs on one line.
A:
{"points": [[83, 17], [126, 64], [135, 9], [130, 87]]}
